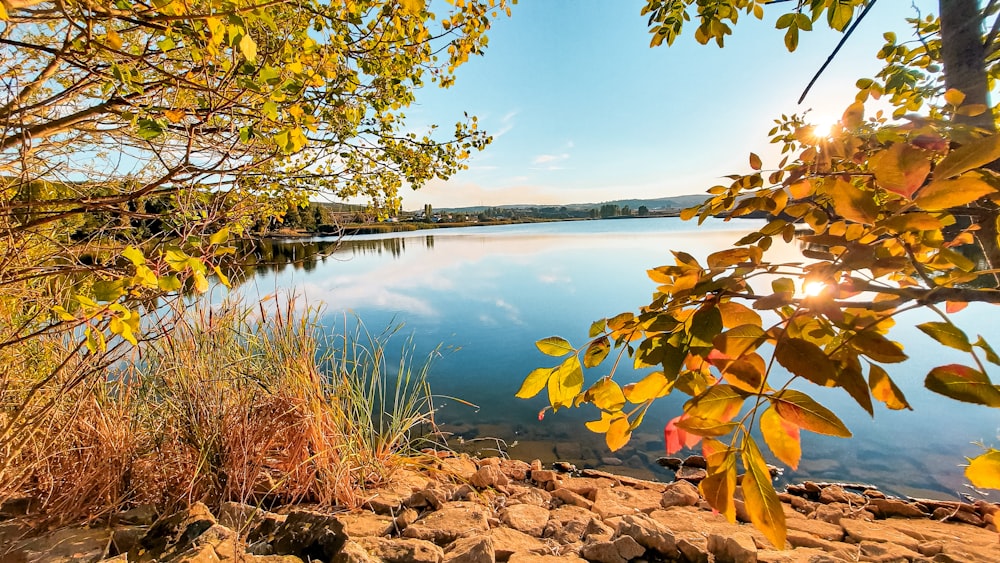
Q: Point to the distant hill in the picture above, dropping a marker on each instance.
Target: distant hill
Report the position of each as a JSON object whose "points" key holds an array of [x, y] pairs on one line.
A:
{"points": [[675, 202]]}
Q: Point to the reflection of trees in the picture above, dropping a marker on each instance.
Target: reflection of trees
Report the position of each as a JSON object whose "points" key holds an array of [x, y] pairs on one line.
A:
{"points": [[273, 255]]}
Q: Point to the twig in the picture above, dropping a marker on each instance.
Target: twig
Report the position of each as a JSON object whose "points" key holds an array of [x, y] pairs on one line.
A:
{"points": [[836, 49]]}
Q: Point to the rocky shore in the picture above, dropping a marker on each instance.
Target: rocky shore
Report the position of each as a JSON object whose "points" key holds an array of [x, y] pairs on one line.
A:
{"points": [[463, 510]]}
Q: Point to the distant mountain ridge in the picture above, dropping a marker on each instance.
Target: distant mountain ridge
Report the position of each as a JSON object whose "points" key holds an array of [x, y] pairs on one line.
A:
{"points": [[673, 202]]}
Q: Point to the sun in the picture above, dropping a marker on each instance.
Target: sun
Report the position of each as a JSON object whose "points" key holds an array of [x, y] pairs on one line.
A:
{"points": [[823, 125]]}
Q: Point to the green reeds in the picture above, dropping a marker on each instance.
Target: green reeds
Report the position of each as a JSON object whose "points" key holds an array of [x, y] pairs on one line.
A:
{"points": [[254, 404]]}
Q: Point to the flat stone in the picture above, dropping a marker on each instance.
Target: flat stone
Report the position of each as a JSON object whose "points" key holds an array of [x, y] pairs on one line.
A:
{"points": [[886, 552], [692, 474], [519, 494], [124, 538], [816, 528], [142, 515], [799, 555], [836, 493], [618, 501], [889, 507], [68, 545], [515, 469], [454, 520], [526, 518], [388, 498], [569, 497], [366, 524], [461, 466], [737, 547], [507, 542], [471, 550], [597, 531], [402, 550], [532, 558], [567, 524], [694, 547], [859, 531], [309, 534], [680, 493]]}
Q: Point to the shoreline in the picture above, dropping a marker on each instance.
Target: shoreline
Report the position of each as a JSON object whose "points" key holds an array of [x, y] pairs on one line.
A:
{"points": [[460, 509]]}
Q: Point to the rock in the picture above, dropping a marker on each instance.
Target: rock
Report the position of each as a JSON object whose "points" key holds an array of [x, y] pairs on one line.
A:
{"points": [[692, 474], [402, 550], [173, 535], [471, 550], [531, 558], [353, 552], [563, 467], [943, 514], [694, 548], [816, 528], [695, 461], [567, 524], [142, 515], [401, 486], [737, 547], [434, 496], [858, 531], [18, 506], [278, 559], [888, 508], [239, 516], [597, 531], [827, 513], [671, 463], [309, 535], [887, 552], [649, 533], [461, 466], [569, 497], [507, 542], [519, 494], [405, 518], [680, 493], [543, 476], [618, 501], [836, 493], [218, 543], [454, 520], [68, 545], [526, 518], [124, 538], [515, 469], [609, 460], [366, 524], [489, 476], [619, 551]]}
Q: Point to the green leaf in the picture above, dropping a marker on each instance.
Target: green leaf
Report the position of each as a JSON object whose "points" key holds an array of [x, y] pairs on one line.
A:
{"points": [[963, 383], [802, 411], [134, 255], [554, 346], [169, 283], [108, 291], [565, 383], [706, 324], [984, 470], [877, 347], [596, 352], [975, 154], [219, 237], [149, 129], [597, 327], [947, 334], [884, 389], [991, 356], [806, 360]]}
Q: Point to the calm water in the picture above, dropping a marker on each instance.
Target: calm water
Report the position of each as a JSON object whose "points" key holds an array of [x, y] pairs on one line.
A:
{"points": [[487, 293]]}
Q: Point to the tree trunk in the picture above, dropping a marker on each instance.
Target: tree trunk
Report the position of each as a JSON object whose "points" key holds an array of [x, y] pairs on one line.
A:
{"points": [[964, 56]]}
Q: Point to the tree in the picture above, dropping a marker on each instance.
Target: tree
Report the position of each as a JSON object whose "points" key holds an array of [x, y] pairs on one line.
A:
{"points": [[232, 112], [900, 214], [643, 211]]}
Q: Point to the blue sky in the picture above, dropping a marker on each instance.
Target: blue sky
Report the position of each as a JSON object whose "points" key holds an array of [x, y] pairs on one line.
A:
{"points": [[582, 110]]}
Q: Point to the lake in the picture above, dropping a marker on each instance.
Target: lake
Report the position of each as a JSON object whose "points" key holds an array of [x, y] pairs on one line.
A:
{"points": [[486, 294]]}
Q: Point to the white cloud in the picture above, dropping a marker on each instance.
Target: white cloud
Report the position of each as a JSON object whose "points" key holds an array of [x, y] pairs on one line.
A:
{"points": [[547, 158]]}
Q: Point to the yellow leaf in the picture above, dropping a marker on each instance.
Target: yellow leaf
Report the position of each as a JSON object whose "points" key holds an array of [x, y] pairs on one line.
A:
{"points": [[720, 485], [3, 12], [653, 386], [984, 470], [954, 97], [853, 116], [719, 402], [174, 115], [248, 47], [853, 203], [565, 383], [801, 410], [114, 40], [411, 7], [735, 314], [606, 395], [601, 426], [618, 433], [901, 168], [554, 346], [782, 437], [885, 390], [534, 383], [975, 154], [945, 194], [200, 282], [761, 500]]}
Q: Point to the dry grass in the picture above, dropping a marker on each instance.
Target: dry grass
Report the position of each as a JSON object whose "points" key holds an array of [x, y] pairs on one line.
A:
{"points": [[228, 403]]}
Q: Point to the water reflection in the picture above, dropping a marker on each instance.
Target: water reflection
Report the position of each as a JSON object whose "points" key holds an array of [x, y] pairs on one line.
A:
{"points": [[488, 293]]}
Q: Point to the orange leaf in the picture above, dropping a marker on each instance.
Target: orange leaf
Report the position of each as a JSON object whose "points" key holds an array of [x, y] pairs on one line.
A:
{"points": [[901, 168], [854, 115], [755, 162], [677, 439], [955, 306]]}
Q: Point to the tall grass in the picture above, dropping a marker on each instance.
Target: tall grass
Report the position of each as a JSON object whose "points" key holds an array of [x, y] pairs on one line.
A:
{"points": [[254, 404]]}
